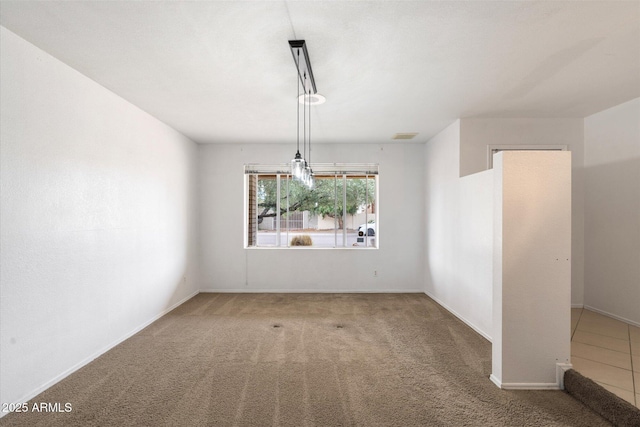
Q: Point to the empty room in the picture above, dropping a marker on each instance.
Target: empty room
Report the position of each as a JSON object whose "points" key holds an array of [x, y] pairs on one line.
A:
{"points": [[324, 213]]}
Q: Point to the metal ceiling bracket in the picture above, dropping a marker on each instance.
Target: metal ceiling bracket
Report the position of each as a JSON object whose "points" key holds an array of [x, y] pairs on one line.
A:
{"points": [[304, 66]]}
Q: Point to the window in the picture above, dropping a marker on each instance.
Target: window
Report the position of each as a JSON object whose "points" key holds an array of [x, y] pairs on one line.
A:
{"points": [[340, 211]]}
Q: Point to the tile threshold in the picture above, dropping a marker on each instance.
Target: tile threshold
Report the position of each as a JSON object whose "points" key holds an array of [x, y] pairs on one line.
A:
{"points": [[603, 321]]}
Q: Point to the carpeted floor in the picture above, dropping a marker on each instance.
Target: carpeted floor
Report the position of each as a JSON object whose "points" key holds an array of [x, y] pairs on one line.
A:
{"points": [[611, 407], [301, 360]]}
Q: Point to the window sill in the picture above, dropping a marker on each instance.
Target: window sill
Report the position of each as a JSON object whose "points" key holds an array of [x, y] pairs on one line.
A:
{"points": [[306, 248]]}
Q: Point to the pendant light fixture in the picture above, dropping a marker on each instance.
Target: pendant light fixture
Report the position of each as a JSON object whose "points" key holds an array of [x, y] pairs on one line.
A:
{"points": [[297, 164], [310, 179], [305, 172], [300, 169]]}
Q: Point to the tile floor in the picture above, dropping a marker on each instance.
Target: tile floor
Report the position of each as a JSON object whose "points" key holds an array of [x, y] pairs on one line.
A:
{"points": [[607, 351]]}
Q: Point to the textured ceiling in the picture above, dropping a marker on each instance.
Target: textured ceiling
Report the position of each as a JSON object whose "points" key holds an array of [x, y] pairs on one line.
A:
{"points": [[223, 71]]}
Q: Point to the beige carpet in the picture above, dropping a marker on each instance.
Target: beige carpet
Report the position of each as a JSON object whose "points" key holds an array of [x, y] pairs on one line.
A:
{"points": [[611, 407], [301, 360]]}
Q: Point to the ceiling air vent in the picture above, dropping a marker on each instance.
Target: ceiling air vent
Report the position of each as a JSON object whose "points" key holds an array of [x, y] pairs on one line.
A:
{"points": [[404, 135]]}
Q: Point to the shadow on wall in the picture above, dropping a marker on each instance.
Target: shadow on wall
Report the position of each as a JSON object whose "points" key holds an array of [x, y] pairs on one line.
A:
{"points": [[612, 238], [458, 248]]}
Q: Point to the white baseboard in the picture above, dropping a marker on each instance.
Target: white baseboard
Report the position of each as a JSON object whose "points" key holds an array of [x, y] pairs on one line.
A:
{"points": [[561, 368], [614, 316], [530, 386], [523, 386], [577, 305], [495, 380], [71, 370], [310, 291], [452, 311]]}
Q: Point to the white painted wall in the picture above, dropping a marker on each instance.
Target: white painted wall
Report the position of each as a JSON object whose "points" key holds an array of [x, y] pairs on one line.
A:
{"points": [[531, 268], [612, 211], [227, 266], [98, 219], [478, 133], [458, 218]]}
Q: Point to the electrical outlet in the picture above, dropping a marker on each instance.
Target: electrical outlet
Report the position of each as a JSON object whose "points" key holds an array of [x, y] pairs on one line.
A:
{"points": [[375, 273]]}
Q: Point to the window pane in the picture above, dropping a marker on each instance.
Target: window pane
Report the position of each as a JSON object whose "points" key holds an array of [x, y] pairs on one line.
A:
{"points": [[323, 218], [300, 203], [252, 217], [361, 211], [267, 194], [339, 211]]}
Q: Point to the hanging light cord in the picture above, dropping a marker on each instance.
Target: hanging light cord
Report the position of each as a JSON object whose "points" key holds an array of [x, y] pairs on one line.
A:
{"points": [[309, 128], [297, 103], [304, 120]]}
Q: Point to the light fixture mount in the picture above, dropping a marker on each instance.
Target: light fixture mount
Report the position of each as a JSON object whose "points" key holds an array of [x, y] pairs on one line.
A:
{"points": [[312, 99], [304, 65]]}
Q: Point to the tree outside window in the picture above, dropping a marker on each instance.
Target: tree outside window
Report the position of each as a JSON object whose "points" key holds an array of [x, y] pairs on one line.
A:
{"points": [[330, 214]]}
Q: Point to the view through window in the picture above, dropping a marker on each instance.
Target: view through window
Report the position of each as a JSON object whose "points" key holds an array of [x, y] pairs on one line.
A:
{"points": [[339, 211]]}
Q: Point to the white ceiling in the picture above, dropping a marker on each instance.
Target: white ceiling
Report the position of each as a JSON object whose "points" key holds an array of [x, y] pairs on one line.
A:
{"points": [[223, 71]]}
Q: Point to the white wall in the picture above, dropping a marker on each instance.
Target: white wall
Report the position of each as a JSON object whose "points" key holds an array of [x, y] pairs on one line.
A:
{"points": [[531, 268], [612, 211], [478, 133], [458, 218], [227, 266], [98, 219]]}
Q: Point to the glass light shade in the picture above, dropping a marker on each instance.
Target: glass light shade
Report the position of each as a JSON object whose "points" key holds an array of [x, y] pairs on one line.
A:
{"points": [[297, 166], [311, 180]]}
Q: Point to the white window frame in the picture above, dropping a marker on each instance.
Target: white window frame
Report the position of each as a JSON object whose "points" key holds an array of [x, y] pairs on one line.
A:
{"points": [[282, 171]]}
